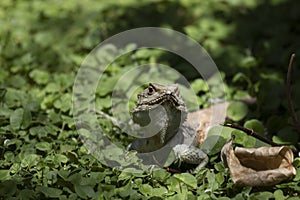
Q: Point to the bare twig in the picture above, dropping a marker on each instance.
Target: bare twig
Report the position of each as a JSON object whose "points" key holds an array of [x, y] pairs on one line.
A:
{"points": [[173, 171], [289, 97], [252, 133]]}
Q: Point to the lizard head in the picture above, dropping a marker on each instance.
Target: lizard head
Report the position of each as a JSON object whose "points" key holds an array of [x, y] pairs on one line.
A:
{"points": [[156, 95], [161, 105]]}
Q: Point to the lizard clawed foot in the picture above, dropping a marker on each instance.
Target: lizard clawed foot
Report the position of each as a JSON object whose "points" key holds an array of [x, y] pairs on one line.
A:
{"points": [[190, 155]]}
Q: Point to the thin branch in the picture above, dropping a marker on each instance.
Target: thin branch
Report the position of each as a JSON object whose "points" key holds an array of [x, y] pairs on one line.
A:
{"points": [[252, 133], [173, 171], [289, 97]]}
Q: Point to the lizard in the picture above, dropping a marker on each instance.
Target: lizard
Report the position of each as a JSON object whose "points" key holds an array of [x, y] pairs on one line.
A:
{"points": [[180, 130], [164, 107]]}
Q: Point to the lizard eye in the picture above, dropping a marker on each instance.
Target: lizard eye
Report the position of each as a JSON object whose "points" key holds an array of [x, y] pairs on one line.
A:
{"points": [[151, 90]]}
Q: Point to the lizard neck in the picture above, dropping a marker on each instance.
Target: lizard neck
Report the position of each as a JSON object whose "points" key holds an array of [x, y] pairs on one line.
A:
{"points": [[174, 120], [170, 120]]}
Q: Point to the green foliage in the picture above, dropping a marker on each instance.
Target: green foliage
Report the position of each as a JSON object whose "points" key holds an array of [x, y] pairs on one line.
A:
{"points": [[255, 125], [237, 111], [42, 46]]}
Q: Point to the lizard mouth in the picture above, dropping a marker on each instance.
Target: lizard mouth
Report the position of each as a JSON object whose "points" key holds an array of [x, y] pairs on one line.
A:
{"points": [[141, 117], [144, 114]]}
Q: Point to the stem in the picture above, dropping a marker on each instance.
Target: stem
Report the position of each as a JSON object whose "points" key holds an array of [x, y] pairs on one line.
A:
{"points": [[252, 133], [257, 136], [289, 97], [173, 171]]}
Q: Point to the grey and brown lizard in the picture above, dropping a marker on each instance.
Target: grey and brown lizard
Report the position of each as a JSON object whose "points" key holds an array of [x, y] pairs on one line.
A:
{"points": [[161, 113], [164, 107]]}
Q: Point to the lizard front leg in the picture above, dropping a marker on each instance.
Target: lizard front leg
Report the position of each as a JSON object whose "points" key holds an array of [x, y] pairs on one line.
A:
{"points": [[190, 155]]}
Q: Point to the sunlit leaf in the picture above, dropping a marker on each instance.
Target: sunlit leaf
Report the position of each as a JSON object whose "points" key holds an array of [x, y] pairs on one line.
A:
{"points": [[39, 76], [188, 179], [30, 160], [146, 189], [237, 111], [255, 125], [4, 175], [43, 146], [16, 118]]}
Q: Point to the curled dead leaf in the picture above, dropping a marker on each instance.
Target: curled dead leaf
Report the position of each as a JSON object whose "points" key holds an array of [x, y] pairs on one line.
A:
{"points": [[262, 166]]}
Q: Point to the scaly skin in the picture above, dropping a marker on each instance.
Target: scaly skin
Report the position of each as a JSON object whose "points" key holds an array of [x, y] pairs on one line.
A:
{"points": [[164, 107]]}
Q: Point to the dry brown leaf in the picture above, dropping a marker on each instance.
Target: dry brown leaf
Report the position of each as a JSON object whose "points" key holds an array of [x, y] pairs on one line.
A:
{"points": [[262, 166], [202, 120]]}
